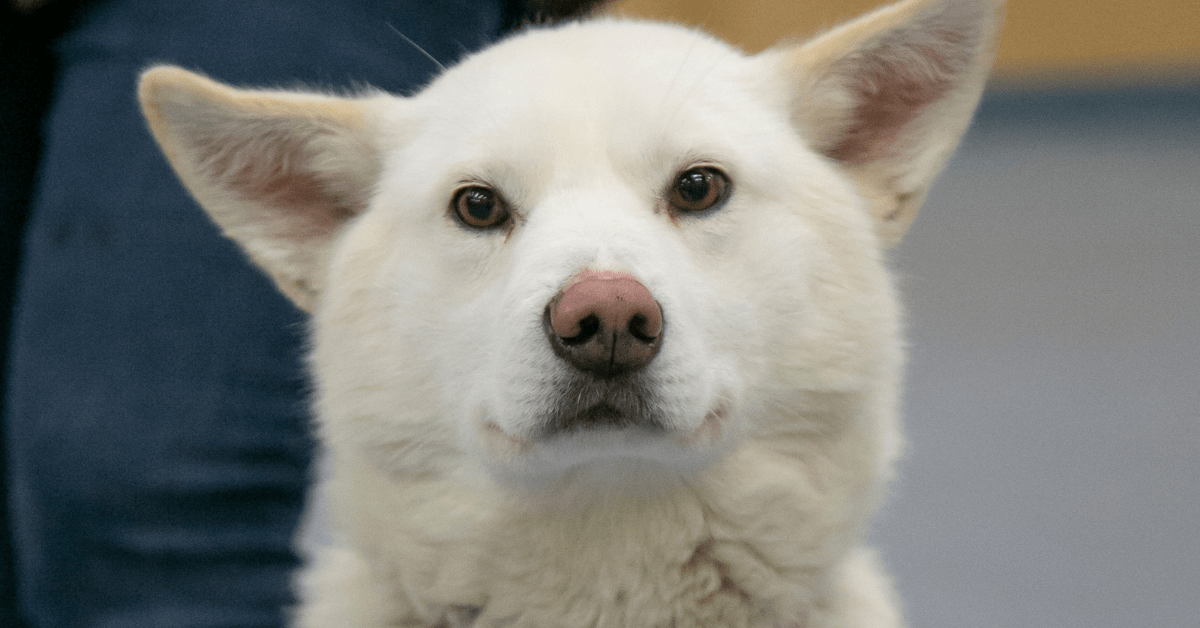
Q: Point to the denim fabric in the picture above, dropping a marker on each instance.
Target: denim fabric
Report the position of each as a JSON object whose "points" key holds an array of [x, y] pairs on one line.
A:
{"points": [[25, 85], [157, 427]]}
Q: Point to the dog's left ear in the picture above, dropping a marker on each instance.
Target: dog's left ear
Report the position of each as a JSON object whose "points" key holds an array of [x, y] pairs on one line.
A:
{"points": [[279, 172], [889, 95]]}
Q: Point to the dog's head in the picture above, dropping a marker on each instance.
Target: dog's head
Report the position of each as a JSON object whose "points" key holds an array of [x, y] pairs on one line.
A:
{"points": [[603, 241]]}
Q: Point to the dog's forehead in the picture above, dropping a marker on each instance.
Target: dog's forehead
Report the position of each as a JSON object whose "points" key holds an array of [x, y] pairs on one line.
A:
{"points": [[599, 76], [597, 99], [587, 51]]}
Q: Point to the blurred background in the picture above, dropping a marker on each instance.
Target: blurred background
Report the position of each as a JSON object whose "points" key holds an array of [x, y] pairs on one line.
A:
{"points": [[1072, 42], [1052, 283]]}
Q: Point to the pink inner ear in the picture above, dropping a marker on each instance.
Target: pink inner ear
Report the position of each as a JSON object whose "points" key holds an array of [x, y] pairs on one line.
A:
{"points": [[273, 173], [297, 206], [892, 85]]}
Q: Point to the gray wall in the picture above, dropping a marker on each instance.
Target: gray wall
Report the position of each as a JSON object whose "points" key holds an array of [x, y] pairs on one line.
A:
{"points": [[1052, 283]]}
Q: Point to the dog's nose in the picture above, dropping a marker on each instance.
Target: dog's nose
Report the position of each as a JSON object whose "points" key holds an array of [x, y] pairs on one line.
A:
{"points": [[605, 323]]}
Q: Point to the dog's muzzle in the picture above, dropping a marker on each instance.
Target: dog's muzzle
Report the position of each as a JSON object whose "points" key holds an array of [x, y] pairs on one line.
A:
{"points": [[607, 327]]}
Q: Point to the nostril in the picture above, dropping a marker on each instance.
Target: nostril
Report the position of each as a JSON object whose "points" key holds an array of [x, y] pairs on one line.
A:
{"points": [[605, 323], [640, 328], [588, 327]]}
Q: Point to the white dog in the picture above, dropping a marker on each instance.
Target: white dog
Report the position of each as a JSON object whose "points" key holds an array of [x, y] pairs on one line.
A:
{"points": [[602, 330]]}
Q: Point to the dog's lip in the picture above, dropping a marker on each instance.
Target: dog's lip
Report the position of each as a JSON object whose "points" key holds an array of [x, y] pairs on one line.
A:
{"points": [[500, 441], [600, 417], [709, 430]]}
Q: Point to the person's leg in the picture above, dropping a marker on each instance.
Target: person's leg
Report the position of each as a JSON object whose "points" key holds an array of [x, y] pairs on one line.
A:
{"points": [[25, 89], [158, 428]]}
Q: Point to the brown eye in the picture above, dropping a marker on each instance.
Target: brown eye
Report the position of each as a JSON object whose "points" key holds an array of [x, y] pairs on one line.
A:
{"points": [[698, 189], [480, 207]]}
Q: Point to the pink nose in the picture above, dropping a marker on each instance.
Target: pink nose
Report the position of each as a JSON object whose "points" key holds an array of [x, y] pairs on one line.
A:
{"points": [[605, 323]]}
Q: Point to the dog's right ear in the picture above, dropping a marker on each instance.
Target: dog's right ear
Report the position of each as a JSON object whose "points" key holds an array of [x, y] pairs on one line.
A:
{"points": [[279, 172], [887, 96]]}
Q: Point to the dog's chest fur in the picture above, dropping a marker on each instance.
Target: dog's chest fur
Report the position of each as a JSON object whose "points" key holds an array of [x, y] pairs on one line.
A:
{"points": [[720, 552]]}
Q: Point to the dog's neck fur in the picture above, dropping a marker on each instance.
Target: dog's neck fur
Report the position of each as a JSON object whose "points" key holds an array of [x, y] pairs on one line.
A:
{"points": [[610, 547]]}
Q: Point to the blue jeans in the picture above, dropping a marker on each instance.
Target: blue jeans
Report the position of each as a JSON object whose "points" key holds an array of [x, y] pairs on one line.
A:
{"points": [[157, 421]]}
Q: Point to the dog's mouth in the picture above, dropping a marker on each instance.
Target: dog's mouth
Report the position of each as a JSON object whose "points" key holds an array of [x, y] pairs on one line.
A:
{"points": [[618, 426], [590, 424], [592, 406], [598, 418]]}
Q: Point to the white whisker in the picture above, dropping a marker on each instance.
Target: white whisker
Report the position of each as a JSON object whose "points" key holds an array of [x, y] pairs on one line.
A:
{"points": [[419, 48]]}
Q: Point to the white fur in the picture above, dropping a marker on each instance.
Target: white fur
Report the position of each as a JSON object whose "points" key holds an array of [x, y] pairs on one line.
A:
{"points": [[779, 371]]}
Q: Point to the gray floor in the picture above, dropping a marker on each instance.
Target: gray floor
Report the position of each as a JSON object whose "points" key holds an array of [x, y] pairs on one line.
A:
{"points": [[1053, 289]]}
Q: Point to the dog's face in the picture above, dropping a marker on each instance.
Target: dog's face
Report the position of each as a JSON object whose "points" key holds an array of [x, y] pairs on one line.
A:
{"points": [[623, 177], [608, 241]]}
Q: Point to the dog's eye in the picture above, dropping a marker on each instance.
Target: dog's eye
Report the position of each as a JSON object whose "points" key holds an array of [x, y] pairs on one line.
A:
{"points": [[697, 189], [480, 207]]}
